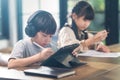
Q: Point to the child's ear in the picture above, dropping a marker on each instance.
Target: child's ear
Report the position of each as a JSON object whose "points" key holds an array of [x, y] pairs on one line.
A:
{"points": [[74, 16]]}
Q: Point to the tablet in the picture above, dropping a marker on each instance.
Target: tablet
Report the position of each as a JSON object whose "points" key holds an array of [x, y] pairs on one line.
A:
{"points": [[63, 58], [52, 72]]}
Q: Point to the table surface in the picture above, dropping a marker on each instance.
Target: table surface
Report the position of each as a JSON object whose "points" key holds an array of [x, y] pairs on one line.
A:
{"points": [[95, 69]]}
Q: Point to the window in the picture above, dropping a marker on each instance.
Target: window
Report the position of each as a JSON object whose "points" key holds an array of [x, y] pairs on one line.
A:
{"points": [[0, 20], [99, 8], [4, 27], [119, 20]]}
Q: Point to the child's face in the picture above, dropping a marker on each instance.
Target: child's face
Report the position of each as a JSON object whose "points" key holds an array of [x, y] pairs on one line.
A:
{"points": [[42, 38], [81, 23]]}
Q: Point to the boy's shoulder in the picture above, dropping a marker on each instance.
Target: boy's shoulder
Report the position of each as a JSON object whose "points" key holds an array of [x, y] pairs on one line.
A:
{"points": [[24, 41]]}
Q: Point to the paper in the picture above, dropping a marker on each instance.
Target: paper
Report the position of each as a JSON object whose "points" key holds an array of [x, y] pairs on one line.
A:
{"points": [[4, 58], [94, 53]]}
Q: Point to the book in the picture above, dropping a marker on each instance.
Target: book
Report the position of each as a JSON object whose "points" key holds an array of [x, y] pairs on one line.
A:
{"points": [[52, 72]]}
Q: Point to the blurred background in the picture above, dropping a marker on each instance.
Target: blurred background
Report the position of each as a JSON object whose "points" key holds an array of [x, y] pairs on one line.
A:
{"points": [[14, 15]]}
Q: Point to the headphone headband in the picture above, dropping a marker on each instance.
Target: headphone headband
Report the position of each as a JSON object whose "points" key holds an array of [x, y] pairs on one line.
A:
{"points": [[33, 25], [33, 16]]}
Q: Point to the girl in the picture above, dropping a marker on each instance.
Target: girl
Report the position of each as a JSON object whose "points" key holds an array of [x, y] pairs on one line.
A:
{"points": [[82, 15]]}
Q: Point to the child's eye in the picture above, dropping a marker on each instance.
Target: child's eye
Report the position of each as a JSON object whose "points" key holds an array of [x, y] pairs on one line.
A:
{"points": [[45, 35], [51, 36]]}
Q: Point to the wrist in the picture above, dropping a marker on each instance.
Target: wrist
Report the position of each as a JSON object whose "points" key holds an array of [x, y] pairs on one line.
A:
{"points": [[89, 41]]}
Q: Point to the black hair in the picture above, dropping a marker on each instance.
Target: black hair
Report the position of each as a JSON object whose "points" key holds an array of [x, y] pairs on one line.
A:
{"points": [[82, 8], [40, 21]]}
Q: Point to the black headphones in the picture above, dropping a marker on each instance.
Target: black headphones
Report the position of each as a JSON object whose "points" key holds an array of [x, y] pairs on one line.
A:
{"points": [[30, 29]]}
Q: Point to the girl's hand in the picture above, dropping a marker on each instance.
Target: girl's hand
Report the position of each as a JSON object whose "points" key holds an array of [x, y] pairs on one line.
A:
{"points": [[76, 51], [103, 48], [46, 52], [100, 36]]}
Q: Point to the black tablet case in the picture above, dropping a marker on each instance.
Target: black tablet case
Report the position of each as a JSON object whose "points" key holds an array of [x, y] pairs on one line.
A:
{"points": [[64, 58]]}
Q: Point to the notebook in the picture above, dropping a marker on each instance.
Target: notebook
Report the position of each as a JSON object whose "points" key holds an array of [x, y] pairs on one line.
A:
{"points": [[63, 58], [52, 72]]}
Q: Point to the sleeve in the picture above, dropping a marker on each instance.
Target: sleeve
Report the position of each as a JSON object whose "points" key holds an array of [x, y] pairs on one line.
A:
{"points": [[66, 37], [18, 50]]}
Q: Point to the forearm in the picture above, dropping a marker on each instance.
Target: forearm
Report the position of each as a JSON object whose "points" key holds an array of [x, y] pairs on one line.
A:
{"points": [[24, 61], [97, 38], [89, 42]]}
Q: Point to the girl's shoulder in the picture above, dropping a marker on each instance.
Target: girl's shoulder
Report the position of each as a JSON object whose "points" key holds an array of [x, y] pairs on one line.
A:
{"points": [[66, 27]]}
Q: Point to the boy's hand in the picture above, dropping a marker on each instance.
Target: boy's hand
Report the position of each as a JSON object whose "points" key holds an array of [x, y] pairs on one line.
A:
{"points": [[46, 52]]}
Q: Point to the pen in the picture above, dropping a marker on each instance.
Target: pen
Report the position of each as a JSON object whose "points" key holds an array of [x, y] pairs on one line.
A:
{"points": [[38, 45], [94, 32]]}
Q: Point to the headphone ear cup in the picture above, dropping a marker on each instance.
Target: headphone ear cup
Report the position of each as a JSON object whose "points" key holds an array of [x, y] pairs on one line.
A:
{"points": [[30, 30]]}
